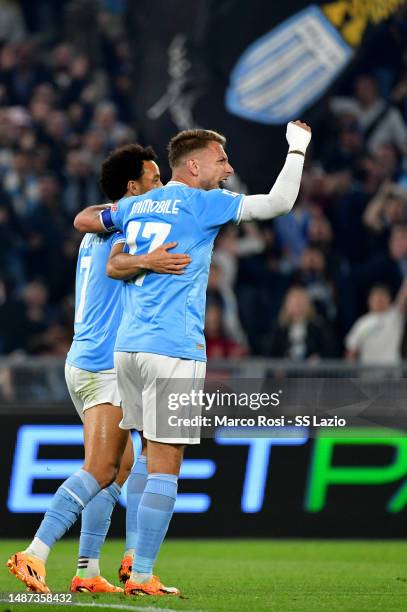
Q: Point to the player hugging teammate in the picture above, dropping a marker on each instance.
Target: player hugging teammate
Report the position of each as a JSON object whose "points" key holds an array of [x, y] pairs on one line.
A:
{"points": [[160, 335]]}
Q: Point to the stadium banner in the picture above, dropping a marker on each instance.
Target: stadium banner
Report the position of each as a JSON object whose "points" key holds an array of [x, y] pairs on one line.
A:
{"points": [[244, 69], [302, 485]]}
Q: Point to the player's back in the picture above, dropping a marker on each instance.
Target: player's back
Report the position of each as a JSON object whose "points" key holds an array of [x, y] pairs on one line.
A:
{"points": [[165, 313], [98, 305]]}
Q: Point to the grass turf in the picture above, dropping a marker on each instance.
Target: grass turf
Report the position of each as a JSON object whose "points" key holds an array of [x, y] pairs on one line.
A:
{"points": [[242, 575]]}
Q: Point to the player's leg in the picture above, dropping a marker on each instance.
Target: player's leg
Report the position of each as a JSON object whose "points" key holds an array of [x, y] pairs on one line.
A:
{"points": [[71, 497], [130, 388], [135, 487], [66, 505], [154, 515], [164, 456], [104, 442], [126, 463]]}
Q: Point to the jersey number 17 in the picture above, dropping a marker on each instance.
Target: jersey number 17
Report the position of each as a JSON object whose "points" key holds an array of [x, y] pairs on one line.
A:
{"points": [[157, 231]]}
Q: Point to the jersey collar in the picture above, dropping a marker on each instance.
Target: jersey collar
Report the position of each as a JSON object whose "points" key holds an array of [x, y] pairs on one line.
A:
{"points": [[175, 183]]}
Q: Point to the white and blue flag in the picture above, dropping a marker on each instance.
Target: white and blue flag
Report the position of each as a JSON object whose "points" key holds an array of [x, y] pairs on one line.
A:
{"points": [[281, 74]]}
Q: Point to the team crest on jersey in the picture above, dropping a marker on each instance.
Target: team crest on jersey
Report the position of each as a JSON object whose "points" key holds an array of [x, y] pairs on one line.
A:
{"points": [[114, 207], [286, 70]]}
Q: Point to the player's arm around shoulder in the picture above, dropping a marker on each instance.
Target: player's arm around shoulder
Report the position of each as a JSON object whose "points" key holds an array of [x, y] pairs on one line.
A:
{"points": [[90, 219], [123, 266]]}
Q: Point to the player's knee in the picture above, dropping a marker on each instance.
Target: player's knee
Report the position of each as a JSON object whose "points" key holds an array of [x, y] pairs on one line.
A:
{"points": [[104, 473], [123, 474], [110, 473]]}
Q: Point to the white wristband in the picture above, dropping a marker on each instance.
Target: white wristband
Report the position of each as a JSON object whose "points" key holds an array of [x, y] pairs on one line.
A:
{"points": [[297, 138]]}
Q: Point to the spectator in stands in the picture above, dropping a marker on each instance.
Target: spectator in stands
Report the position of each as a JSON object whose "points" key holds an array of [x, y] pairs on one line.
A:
{"points": [[12, 27], [386, 209], [291, 230], [380, 122], [220, 293], [55, 340], [94, 145], [262, 281], [44, 231], [57, 136], [21, 320], [320, 236], [231, 245], [375, 338], [299, 333], [81, 186], [60, 63], [389, 267], [387, 158], [346, 212], [78, 80], [114, 132], [21, 184], [11, 244], [26, 73], [349, 146], [218, 344], [313, 276]]}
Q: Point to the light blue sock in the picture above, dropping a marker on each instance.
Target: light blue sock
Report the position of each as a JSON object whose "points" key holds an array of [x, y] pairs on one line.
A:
{"points": [[68, 502], [154, 514], [96, 518], [135, 489]]}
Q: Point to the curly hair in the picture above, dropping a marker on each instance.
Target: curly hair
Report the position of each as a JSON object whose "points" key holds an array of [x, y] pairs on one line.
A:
{"points": [[124, 164]]}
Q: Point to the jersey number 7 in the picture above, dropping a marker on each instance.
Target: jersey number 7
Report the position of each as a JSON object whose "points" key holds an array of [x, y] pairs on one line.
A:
{"points": [[84, 268]]}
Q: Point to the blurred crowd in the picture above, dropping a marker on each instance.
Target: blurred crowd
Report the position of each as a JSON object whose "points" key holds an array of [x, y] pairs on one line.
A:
{"points": [[325, 281], [63, 107]]}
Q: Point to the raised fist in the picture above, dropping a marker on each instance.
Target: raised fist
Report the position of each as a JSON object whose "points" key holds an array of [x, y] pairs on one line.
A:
{"points": [[298, 136]]}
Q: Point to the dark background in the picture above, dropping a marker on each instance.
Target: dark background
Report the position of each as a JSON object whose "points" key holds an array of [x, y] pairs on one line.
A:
{"points": [[216, 33]]}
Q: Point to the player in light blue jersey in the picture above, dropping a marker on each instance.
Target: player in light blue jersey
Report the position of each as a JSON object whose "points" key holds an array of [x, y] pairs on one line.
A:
{"points": [[160, 346], [91, 381]]}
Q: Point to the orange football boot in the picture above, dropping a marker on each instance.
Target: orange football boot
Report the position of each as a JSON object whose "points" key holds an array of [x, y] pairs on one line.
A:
{"points": [[97, 584], [153, 587], [125, 569], [29, 570]]}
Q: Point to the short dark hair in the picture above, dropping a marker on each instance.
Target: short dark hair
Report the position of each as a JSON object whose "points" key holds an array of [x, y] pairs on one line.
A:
{"points": [[380, 287], [191, 140], [122, 165]]}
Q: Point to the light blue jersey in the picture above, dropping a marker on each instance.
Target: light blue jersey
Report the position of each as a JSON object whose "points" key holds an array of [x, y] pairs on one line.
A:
{"points": [[98, 305], [165, 314]]}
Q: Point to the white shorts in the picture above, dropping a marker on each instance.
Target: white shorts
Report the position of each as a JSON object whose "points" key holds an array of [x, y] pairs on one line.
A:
{"points": [[88, 389], [137, 375]]}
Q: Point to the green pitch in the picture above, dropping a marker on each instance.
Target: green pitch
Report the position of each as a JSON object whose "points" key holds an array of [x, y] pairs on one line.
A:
{"points": [[244, 575]]}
